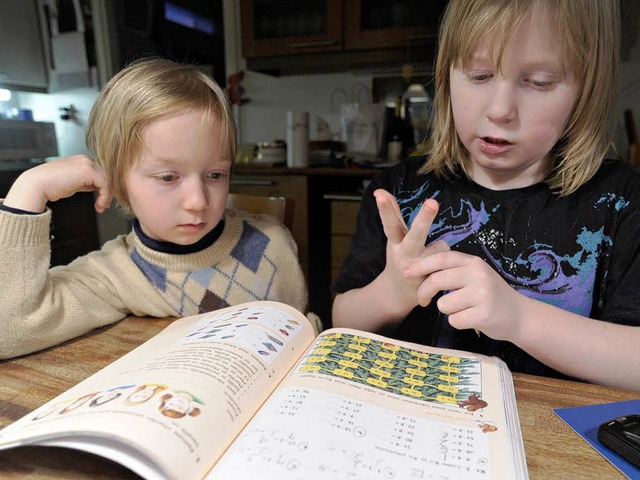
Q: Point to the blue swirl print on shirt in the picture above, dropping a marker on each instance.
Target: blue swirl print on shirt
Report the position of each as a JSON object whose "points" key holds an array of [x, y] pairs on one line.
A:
{"points": [[565, 281], [450, 226], [455, 226], [407, 202], [618, 202]]}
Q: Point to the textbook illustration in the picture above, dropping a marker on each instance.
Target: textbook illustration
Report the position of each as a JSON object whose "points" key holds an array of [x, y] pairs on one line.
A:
{"points": [[248, 392]]}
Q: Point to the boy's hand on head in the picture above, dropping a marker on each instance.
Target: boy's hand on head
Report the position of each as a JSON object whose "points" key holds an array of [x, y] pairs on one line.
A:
{"points": [[58, 179], [405, 247], [476, 295]]}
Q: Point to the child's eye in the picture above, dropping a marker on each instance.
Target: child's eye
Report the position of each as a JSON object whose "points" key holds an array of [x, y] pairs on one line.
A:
{"points": [[216, 175], [478, 77], [539, 84], [167, 177]]}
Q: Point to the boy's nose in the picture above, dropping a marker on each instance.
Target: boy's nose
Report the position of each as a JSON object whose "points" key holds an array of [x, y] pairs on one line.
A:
{"points": [[501, 106], [196, 196]]}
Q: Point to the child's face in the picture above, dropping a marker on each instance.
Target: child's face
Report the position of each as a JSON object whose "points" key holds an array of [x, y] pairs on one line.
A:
{"points": [[143, 395], [510, 120], [178, 189]]}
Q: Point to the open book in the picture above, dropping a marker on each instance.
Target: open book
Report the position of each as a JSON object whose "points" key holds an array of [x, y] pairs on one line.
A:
{"points": [[248, 392]]}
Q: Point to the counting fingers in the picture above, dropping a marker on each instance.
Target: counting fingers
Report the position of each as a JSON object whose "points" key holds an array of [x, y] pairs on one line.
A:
{"points": [[392, 222], [421, 225]]}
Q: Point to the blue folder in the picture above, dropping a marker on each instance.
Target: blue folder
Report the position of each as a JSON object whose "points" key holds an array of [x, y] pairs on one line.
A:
{"points": [[586, 420]]}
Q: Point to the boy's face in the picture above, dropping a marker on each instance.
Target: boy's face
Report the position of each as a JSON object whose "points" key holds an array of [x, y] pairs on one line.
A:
{"points": [[178, 189], [509, 120]]}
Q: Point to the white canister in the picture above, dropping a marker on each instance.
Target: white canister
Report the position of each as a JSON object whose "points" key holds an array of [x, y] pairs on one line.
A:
{"points": [[297, 139]]}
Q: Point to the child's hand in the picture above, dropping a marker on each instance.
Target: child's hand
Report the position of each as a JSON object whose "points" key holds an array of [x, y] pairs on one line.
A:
{"points": [[405, 247], [477, 296], [58, 179]]}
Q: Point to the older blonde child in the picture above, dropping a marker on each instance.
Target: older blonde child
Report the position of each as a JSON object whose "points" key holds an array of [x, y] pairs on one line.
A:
{"points": [[532, 237], [164, 143]]}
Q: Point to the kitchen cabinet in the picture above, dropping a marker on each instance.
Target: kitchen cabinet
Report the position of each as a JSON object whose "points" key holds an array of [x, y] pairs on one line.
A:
{"points": [[23, 63], [290, 27], [344, 213], [383, 24], [319, 36]]}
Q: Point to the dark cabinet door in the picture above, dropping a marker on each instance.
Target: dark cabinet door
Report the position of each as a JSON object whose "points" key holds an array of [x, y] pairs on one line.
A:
{"points": [[287, 27], [385, 24]]}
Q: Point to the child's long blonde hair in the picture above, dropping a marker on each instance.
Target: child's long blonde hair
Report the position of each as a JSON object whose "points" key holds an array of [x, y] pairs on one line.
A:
{"points": [[589, 41], [140, 94]]}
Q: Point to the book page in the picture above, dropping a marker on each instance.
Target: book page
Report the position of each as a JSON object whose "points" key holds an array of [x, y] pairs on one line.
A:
{"points": [[174, 404], [359, 406]]}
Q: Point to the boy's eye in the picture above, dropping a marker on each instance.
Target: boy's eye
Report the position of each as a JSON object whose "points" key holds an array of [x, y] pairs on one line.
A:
{"points": [[539, 84], [216, 175], [478, 77], [167, 177]]}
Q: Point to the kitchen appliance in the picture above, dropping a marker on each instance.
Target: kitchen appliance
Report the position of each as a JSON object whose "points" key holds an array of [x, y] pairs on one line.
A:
{"points": [[25, 140], [271, 153]]}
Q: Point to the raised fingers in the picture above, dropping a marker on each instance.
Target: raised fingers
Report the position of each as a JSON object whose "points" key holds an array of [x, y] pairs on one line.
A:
{"points": [[392, 222], [395, 228], [417, 235]]}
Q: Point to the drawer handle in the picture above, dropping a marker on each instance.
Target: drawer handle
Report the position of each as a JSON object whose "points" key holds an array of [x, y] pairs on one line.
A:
{"points": [[342, 197], [263, 183], [321, 43]]}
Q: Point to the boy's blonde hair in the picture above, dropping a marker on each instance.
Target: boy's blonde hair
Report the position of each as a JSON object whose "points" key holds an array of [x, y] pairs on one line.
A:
{"points": [[589, 42], [140, 94]]}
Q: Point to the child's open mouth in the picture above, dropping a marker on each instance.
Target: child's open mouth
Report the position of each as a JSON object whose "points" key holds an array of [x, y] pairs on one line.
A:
{"points": [[495, 141], [494, 145]]}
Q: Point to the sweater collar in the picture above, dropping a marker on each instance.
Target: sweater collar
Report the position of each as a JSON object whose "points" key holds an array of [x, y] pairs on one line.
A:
{"points": [[175, 249]]}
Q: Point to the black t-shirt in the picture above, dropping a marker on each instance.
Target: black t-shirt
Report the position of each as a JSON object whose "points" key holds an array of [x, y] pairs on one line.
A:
{"points": [[579, 252]]}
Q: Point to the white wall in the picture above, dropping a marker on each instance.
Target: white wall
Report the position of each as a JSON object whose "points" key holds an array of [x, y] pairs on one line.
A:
{"points": [[46, 108], [264, 117]]}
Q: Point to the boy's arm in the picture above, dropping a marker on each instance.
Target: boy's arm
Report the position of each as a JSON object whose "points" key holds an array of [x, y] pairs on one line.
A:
{"points": [[42, 307], [58, 179]]}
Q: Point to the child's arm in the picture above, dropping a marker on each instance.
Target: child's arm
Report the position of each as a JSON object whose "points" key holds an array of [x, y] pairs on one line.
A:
{"points": [[388, 299], [58, 179], [40, 308], [594, 350]]}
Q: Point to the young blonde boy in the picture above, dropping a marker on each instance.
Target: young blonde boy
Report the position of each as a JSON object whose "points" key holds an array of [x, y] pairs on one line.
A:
{"points": [[164, 143]]}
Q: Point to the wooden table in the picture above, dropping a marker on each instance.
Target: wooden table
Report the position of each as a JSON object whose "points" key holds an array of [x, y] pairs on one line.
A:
{"points": [[553, 450]]}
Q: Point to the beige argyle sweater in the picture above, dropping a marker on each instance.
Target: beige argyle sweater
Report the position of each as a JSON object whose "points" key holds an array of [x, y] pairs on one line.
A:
{"points": [[255, 258]]}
